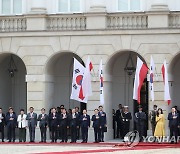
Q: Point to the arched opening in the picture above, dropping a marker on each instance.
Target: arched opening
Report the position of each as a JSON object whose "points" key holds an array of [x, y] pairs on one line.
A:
{"points": [[121, 71], [174, 74], [13, 89], [59, 70]]}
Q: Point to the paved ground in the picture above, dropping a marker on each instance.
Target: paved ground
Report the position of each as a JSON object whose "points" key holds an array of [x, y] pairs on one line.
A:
{"points": [[39, 148]]}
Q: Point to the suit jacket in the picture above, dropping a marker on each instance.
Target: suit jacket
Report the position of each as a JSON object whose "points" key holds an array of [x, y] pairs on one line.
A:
{"points": [[96, 121], [73, 121], [22, 122], [12, 123], [103, 120], [63, 121], [43, 120], [3, 121], [53, 120], [85, 121], [173, 122], [32, 121], [118, 115], [140, 118]]}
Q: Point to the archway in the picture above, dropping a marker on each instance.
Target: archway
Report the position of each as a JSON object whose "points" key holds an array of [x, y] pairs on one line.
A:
{"points": [[13, 91], [121, 83], [59, 81], [174, 73]]}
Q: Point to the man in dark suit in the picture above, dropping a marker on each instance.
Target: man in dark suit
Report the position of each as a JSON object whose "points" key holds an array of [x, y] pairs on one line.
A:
{"points": [[63, 124], [140, 121], [11, 120], [53, 124], [85, 124], [119, 121], [126, 117], [103, 124], [152, 117], [78, 117], [32, 123], [2, 124], [173, 118], [43, 124], [96, 125], [74, 125]]}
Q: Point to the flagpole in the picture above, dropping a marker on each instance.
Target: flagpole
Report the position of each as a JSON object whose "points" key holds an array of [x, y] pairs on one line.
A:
{"points": [[70, 80]]}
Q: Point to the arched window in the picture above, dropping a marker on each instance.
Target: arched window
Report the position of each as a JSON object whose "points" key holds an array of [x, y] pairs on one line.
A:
{"points": [[11, 7], [66, 6], [129, 5]]}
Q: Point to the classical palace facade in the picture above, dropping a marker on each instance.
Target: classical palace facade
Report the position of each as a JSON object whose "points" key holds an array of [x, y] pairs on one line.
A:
{"points": [[39, 38]]}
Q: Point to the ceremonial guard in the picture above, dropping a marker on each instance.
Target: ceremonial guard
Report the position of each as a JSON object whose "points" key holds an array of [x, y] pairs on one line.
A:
{"points": [[85, 124], [140, 121], [43, 124], [126, 117]]}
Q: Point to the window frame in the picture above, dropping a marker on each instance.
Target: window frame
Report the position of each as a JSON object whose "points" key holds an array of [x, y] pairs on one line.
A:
{"points": [[69, 8], [129, 7], [12, 8]]}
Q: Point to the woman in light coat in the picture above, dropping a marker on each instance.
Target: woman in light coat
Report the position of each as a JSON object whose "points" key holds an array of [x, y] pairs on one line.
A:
{"points": [[22, 125]]}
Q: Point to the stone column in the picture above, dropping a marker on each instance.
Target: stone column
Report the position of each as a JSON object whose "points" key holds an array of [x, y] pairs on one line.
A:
{"points": [[158, 14], [96, 16]]}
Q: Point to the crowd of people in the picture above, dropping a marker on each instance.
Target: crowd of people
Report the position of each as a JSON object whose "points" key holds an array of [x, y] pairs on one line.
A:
{"points": [[122, 118], [59, 122]]}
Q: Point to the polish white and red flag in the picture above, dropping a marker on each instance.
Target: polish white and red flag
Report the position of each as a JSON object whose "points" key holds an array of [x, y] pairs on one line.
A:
{"points": [[167, 96], [86, 82], [152, 71], [141, 73], [78, 74], [101, 83]]}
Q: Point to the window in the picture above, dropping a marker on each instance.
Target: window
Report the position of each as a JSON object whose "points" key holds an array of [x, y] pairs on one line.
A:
{"points": [[11, 6], [129, 5], [69, 6]]}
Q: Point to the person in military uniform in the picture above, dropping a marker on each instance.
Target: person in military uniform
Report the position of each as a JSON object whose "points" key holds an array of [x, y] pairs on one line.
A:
{"points": [[152, 117], [126, 117], [140, 121]]}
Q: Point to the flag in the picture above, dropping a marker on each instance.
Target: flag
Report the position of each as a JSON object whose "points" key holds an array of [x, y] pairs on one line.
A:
{"points": [[78, 73], [166, 84], [101, 83], [152, 70], [86, 82], [141, 72]]}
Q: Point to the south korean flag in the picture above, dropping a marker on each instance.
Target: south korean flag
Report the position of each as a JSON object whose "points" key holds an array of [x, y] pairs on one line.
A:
{"points": [[78, 73]]}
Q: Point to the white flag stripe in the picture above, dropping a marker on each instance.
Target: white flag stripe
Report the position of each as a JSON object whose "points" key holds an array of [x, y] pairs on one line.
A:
{"points": [[152, 71], [101, 83], [86, 83]]}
